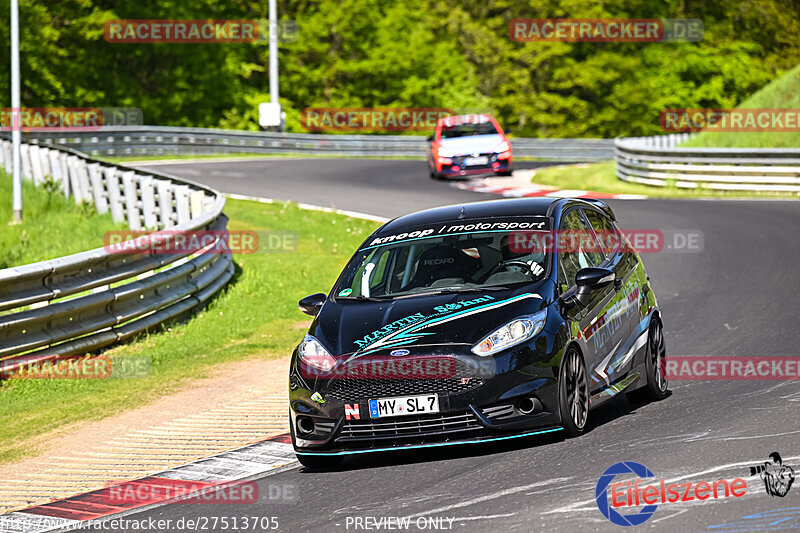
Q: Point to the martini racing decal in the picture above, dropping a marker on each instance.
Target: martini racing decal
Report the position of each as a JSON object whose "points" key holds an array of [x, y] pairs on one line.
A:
{"points": [[616, 360], [455, 229], [417, 317], [406, 330], [388, 328]]}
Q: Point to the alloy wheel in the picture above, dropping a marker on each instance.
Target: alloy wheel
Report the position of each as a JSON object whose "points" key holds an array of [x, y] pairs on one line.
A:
{"points": [[657, 354], [577, 390]]}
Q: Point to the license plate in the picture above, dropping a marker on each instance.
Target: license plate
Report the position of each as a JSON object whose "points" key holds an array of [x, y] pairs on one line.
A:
{"points": [[404, 405], [470, 161]]}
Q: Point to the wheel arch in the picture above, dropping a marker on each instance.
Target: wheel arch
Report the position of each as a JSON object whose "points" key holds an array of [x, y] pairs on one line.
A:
{"points": [[573, 344], [655, 315]]}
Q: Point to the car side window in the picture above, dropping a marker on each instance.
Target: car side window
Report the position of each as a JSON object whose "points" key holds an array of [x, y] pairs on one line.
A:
{"points": [[610, 239], [577, 247]]}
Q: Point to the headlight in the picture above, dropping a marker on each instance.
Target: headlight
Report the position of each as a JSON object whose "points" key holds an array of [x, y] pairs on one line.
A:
{"points": [[502, 147], [315, 355], [515, 332]]}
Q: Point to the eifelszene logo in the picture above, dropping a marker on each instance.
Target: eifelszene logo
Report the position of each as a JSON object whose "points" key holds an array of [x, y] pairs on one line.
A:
{"points": [[777, 477], [632, 493]]}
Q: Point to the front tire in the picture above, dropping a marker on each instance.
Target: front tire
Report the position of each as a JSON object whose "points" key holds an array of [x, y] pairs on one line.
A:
{"points": [[656, 387], [573, 394]]}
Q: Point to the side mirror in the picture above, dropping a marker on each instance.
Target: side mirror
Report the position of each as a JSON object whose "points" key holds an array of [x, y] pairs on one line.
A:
{"points": [[430, 139], [589, 279], [311, 305]]}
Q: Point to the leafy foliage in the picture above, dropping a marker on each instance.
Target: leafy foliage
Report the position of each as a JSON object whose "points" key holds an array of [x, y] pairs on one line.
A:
{"points": [[783, 93], [417, 53]]}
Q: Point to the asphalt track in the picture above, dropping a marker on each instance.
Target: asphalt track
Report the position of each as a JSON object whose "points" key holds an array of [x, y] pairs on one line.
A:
{"points": [[737, 296]]}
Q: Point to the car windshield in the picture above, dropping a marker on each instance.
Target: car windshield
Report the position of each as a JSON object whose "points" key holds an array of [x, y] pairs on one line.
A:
{"points": [[467, 129], [451, 263]]}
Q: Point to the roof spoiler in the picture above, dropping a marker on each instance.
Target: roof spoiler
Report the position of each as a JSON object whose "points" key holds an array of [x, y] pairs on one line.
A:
{"points": [[602, 206]]}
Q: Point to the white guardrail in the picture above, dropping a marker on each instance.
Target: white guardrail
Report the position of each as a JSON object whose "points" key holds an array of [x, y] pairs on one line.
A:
{"points": [[659, 161], [83, 302]]}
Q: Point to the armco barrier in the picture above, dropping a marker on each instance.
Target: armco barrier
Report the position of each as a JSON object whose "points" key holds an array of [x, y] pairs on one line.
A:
{"points": [[656, 161], [52, 313], [659, 161], [162, 140]]}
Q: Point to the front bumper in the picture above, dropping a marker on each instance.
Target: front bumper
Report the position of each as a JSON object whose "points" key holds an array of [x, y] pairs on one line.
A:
{"points": [[482, 401], [458, 168], [411, 446]]}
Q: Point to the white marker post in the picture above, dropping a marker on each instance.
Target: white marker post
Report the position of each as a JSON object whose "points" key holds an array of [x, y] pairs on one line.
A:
{"points": [[273, 59], [15, 113]]}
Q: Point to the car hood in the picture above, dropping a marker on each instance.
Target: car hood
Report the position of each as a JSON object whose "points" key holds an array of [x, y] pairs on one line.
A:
{"points": [[348, 327], [473, 144]]}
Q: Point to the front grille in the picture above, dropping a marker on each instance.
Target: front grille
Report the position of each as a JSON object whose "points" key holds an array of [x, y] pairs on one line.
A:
{"points": [[410, 426], [365, 389], [464, 378]]}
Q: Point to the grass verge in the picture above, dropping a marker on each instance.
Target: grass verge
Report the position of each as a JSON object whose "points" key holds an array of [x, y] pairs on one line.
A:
{"points": [[782, 93], [255, 316], [600, 177], [52, 226]]}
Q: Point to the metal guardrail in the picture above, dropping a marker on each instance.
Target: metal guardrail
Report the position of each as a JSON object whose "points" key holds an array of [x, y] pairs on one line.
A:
{"points": [[656, 161], [52, 313], [659, 161], [165, 140]]}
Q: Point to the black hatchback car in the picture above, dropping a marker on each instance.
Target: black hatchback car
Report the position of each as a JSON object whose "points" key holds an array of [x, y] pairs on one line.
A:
{"points": [[472, 323]]}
